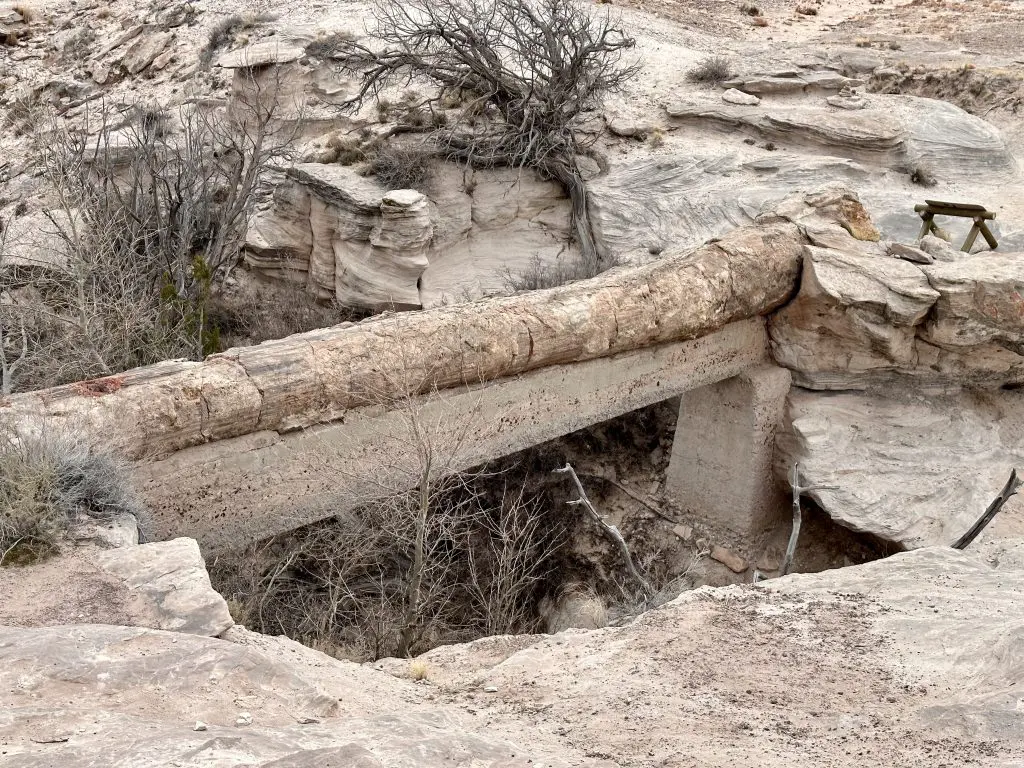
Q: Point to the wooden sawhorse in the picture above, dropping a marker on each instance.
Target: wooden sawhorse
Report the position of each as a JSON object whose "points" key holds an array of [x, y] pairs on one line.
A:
{"points": [[933, 208]]}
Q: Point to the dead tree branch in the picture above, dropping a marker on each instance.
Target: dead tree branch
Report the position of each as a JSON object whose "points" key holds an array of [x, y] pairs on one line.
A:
{"points": [[1010, 489], [522, 72], [635, 496], [610, 530], [798, 491]]}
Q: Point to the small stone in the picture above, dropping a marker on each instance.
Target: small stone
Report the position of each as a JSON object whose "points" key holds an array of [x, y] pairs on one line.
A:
{"points": [[199, 726], [939, 248], [729, 559], [491, 689], [736, 96], [909, 253], [769, 561], [244, 718], [847, 102], [654, 488], [307, 720], [684, 532]]}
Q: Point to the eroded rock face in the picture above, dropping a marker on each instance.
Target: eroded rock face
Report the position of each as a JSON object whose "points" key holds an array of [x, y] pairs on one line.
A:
{"points": [[374, 248], [163, 585], [863, 318], [912, 469]]}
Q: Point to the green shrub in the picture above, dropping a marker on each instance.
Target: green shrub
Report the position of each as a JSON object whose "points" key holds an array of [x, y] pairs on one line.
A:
{"points": [[50, 480]]}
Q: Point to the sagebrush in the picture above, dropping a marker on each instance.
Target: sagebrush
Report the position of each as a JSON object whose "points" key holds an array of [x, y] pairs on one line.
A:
{"points": [[48, 481]]}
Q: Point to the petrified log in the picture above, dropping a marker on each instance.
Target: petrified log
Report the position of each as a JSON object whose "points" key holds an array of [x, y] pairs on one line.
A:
{"points": [[315, 377]]}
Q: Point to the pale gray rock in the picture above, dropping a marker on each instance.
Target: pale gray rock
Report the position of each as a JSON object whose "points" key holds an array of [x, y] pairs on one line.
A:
{"points": [[910, 468], [628, 127], [345, 236], [829, 81], [899, 653], [767, 85], [939, 249], [847, 102], [909, 253], [149, 688], [855, 316], [955, 622], [141, 53], [957, 145], [261, 54], [735, 96], [868, 134], [169, 579], [121, 531], [388, 275], [858, 61], [979, 302]]}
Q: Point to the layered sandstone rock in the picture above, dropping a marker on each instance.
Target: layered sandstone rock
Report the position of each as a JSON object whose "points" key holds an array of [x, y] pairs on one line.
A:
{"points": [[913, 469], [863, 318], [347, 237]]}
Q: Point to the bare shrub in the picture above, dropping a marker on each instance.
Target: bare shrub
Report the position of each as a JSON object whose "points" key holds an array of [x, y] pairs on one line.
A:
{"points": [[224, 31], [398, 167], [923, 175], [750, 10], [525, 72], [539, 275], [432, 554], [49, 480], [325, 46], [150, 217], [264, 312], [710, 70]]}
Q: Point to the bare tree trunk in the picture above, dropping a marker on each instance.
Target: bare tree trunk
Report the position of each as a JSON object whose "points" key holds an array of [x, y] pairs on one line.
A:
{"points": [[567, 173]]}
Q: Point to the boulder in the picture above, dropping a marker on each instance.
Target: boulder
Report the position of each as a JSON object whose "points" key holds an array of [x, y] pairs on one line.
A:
{"points": [[979, 302], [909, 253], [954, 143], [141, 53], [854, 315], [939, 249], [861, 319], [170, 586], [913, 469], [261, 54], [735, 96], [767, 85]]}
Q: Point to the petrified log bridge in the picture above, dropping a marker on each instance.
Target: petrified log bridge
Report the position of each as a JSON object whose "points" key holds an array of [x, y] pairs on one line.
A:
{"points": [[261, 439]]}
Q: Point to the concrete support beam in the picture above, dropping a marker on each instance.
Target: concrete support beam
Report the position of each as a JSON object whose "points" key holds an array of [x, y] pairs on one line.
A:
{"points": [[721, 466], [231, 491]]}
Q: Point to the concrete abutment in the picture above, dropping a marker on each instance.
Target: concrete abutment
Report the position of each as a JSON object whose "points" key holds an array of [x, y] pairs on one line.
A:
{"points": [[721, 466]]}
